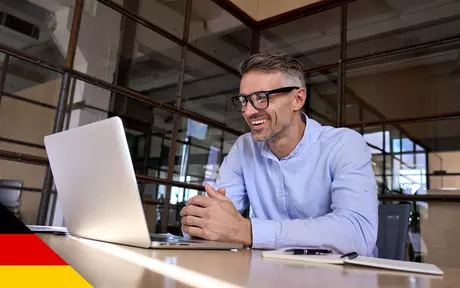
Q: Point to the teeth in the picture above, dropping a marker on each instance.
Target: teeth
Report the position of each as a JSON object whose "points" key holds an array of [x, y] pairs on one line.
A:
{"points": [[257, 122]]}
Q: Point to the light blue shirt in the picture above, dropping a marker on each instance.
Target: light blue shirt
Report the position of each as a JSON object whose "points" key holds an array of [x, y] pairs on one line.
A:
{"points": [[323, 195]]}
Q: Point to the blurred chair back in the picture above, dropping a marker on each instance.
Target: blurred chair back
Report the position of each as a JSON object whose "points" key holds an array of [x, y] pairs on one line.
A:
{"points": [[393, 230], [11, 197]]}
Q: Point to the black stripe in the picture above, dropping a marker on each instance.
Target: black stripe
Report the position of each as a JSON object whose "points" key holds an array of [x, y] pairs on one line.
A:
{"points": [[9, 224]]}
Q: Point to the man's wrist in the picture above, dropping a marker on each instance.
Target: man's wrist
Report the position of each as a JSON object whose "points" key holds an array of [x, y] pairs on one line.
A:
{"points": [[247, 233]]}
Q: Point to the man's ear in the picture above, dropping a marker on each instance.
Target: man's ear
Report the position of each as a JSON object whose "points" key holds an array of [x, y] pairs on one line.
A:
{"points": [[300, 98]]}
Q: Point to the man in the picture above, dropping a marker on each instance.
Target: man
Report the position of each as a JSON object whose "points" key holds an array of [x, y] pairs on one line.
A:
{"points": [[308, 185]]}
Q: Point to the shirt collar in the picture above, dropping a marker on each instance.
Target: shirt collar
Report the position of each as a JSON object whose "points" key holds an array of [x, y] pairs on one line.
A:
{"points": [[309, 137]]}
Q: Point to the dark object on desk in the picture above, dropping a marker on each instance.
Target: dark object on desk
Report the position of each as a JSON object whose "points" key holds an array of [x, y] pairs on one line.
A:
{"points": [[9, 224], [351, 255], [393, 229]]}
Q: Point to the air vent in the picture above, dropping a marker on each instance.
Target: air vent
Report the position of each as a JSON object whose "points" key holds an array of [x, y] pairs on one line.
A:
{"points": [[19, 25]]}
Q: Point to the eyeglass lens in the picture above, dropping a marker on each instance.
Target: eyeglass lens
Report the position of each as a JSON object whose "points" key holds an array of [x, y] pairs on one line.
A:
{"points": [[259, 101]]}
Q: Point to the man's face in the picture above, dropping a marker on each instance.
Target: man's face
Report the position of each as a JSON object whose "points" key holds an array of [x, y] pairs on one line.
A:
{"points": [[268, 124]]}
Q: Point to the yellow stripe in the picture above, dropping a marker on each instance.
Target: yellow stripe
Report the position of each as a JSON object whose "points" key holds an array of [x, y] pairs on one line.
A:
{"points": [[41, 276]]}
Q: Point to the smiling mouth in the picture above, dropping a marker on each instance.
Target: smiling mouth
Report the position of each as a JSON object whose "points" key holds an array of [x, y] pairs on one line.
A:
{"points": [[258, 122]]}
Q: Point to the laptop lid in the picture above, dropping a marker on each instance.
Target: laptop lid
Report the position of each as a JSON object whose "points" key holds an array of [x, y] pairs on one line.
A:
{"points": [[96, 183]]}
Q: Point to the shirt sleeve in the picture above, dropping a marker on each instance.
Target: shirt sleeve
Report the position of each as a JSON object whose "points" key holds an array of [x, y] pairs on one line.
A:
{"points": [[231, 178], [352, 225]]}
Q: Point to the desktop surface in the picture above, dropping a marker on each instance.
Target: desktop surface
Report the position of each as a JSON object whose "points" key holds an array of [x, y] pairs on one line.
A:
{"points": [[110, 265]]}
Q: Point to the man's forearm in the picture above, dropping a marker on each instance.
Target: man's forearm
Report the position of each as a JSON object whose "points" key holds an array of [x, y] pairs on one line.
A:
{"points": [[342, 233]]}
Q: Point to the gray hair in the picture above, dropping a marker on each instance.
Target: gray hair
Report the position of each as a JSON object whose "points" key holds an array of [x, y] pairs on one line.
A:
{"points": [[275, 62]]}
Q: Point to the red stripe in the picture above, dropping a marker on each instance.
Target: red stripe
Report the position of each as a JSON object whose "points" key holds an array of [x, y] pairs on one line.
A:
{"points": [[26, 249]]}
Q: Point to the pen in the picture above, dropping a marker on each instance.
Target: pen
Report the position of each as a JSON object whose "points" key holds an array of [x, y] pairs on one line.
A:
{"points": [[309, 251]]}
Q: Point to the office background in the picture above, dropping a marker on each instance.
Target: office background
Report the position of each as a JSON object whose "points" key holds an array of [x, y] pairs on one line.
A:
{"points": [[388, 69]]}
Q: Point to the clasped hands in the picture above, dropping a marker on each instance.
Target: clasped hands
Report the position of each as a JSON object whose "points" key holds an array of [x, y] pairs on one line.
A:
{"points": [[215, 218]]}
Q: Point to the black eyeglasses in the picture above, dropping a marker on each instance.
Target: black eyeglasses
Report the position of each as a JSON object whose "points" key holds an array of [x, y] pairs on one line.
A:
{"points": [[259, 100]]}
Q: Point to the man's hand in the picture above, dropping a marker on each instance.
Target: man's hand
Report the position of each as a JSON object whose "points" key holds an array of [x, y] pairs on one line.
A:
{"points": [[215, 218]]}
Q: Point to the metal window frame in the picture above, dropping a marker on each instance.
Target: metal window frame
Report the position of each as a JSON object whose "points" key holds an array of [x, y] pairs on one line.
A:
{"points": [[69, 75]]}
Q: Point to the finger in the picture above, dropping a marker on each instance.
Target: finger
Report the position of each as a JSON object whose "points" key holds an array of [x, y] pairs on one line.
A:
{"points": [[222, 191], [200, 200], [212, 192], [192, 210], [193, 231], [192, 221]]}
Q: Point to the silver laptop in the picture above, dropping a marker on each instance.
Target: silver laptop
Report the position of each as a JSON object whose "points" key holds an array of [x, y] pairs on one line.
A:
{"points": [[98, 191]]}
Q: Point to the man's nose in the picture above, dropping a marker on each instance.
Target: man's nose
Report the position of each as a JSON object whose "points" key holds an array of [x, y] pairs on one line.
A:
{"points": [[249, 110]]}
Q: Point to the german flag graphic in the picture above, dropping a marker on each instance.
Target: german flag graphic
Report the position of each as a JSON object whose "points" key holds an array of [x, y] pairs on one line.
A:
{"points": [[26, 261]]}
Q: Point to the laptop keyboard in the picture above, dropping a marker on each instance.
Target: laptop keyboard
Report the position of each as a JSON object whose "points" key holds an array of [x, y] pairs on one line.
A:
{"points": [[170, 238]]}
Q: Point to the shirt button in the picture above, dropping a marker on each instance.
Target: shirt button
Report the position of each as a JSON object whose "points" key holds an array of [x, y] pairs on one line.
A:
{"points": [[281, 195]]}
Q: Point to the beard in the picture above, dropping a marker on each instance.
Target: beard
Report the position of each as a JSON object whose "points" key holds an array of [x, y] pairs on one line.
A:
{"points": [[271, 135], [274, 128]]}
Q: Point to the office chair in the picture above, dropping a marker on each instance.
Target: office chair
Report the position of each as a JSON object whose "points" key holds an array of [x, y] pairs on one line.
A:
{"points": [[11, 197], [393, 229]]}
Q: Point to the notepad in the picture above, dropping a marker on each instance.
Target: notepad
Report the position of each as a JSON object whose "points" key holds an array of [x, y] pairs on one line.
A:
{"points": [[359, 260]]}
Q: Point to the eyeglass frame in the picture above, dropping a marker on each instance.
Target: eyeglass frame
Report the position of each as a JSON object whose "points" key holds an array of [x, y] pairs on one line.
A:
{"points": [[248, 98]]}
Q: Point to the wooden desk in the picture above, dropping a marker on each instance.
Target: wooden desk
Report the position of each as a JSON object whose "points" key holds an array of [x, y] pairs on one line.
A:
{"points": [[109, 265]]}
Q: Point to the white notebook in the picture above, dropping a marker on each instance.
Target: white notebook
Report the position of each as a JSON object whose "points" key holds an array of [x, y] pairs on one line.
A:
{"points": [[357, 260]]}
